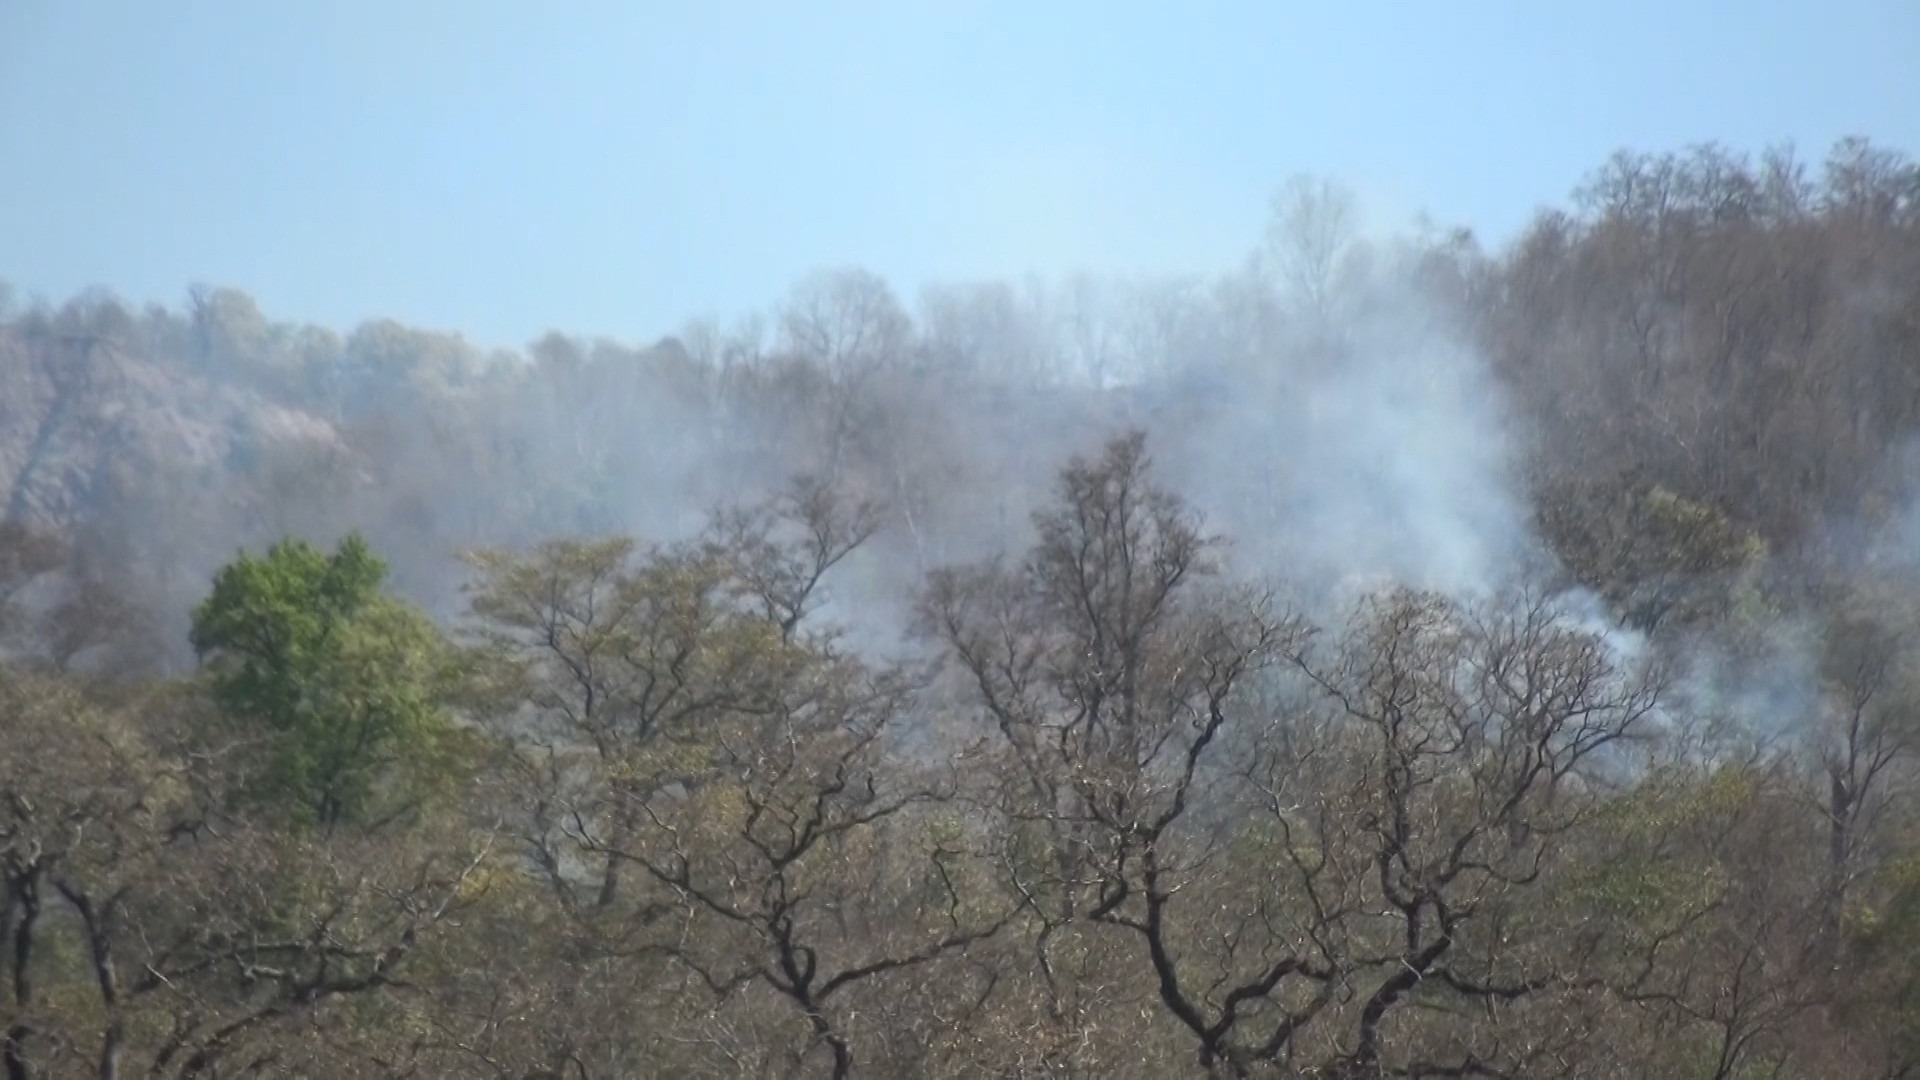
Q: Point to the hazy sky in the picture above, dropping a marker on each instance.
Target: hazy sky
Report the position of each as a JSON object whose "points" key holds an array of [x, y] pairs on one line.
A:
{"points": [[613, 168]]}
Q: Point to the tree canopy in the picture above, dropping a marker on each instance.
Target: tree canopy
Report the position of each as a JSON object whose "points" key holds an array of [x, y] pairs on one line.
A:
{"points": [[1389, 658], [339, 678]]}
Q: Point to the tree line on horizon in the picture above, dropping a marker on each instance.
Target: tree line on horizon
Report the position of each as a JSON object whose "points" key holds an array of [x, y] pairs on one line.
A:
{"points": [[867, 693]]}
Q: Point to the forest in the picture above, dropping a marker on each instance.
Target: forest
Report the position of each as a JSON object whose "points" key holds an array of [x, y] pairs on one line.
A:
{"points": [[1389, 657]]}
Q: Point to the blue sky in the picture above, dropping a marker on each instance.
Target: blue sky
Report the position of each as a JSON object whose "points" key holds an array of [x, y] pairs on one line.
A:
{"points": [[614, 168]]}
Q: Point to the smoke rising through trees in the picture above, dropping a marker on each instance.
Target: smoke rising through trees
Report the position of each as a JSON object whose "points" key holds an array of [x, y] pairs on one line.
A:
{"points": [[1384, 657]]}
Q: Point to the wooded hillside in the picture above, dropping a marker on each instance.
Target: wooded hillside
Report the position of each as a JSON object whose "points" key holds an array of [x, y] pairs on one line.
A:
{"points": [[1390, 658]]}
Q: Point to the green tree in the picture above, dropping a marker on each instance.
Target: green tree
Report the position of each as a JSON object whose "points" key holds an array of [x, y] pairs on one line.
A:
{"points": [[343, 677]]}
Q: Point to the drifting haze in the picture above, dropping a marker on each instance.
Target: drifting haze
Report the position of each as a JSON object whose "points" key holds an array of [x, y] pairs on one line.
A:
{"points": [[1318, 404], [1350, 399], [1562, 675]]}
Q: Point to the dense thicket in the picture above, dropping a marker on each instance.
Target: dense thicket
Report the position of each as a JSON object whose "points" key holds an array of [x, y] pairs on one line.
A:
{"points": [[1391, 658]]}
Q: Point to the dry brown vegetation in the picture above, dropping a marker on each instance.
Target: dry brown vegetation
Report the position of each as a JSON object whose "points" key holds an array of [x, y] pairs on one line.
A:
{"points": [[977, 749]]}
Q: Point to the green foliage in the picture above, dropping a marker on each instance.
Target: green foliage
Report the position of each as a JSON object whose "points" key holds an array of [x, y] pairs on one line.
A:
{"points": [[342, 679], [1886, 941], [1654, 555], [1641, 880], [717, 838]]}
